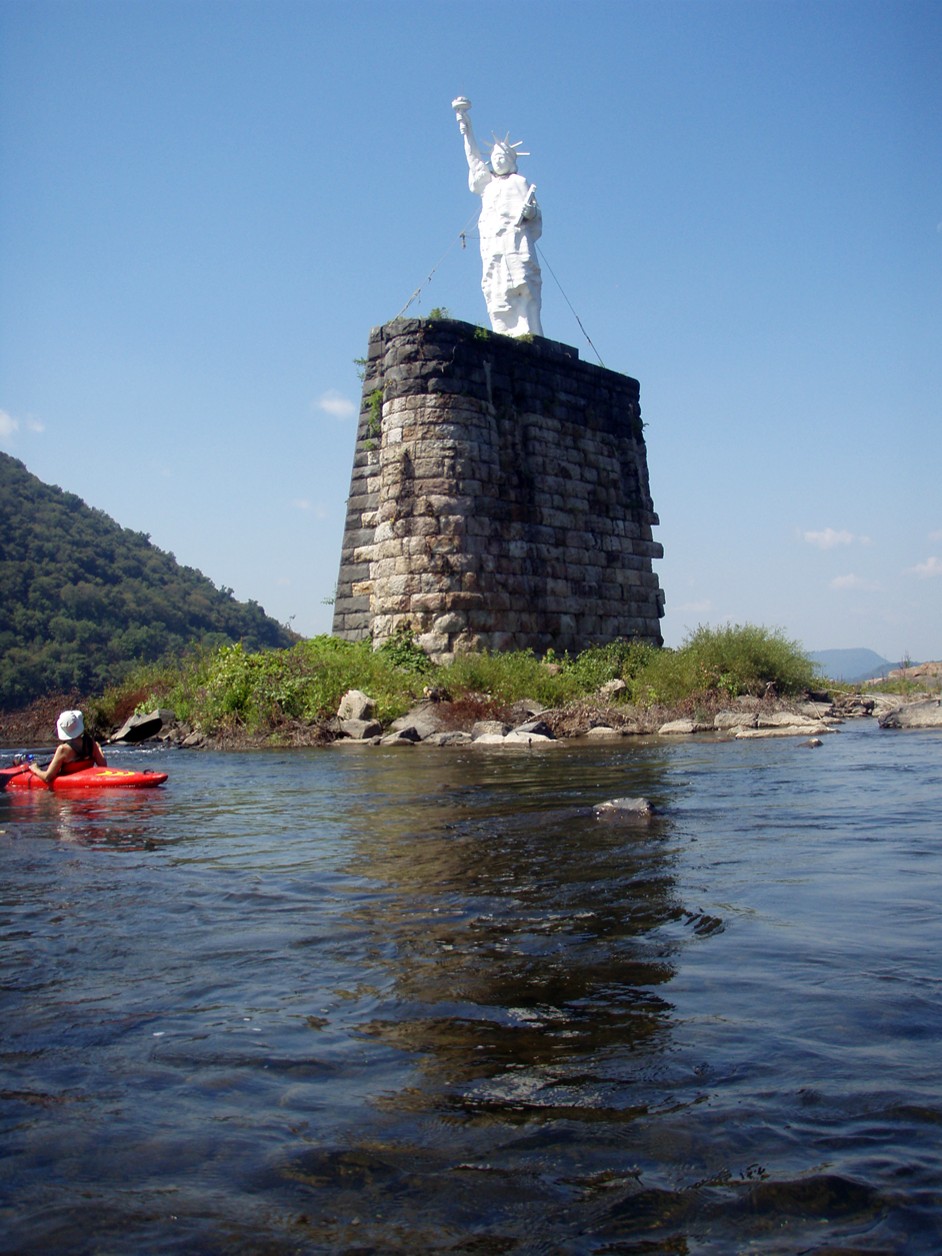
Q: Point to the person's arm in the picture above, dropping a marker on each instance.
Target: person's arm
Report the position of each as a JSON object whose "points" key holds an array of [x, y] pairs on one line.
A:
{"points": [[53, 767], [98, 756], [478, 173]]}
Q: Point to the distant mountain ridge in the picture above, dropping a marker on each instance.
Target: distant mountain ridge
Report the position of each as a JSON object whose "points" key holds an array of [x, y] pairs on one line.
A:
{"points": [[851, 665], [82, 598]]}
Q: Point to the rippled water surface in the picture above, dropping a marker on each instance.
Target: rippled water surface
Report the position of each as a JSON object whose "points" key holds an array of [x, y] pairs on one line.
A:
{"points": [[424, 1000]]}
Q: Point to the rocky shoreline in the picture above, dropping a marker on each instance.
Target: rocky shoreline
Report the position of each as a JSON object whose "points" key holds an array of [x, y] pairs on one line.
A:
{"points": [[528, 724], [437, 721]]}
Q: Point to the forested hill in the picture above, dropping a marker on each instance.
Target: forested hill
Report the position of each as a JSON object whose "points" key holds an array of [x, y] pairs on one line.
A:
{"points": [[82, 597]]}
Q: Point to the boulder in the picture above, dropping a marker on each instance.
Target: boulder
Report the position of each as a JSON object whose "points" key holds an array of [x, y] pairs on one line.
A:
{"points": [[525, 709], [401, 737], [535, 728], [817, 710], [361, 730], [355, 705], [141, 727], [489, 728], [448, 739], [851, 706], [925, 714], [423, 718], [611, 688], [602, 732], [734, 719], [520, 737], [679, 728]]}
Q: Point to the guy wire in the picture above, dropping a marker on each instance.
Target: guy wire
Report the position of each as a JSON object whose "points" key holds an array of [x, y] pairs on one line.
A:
{"points": [[542, 257], [462, 236]]}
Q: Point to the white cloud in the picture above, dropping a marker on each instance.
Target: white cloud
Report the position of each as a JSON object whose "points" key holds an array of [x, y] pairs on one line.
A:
{"points": [[851, 581], [925, 571], [698, 608], [336, 404], [830, 538], [10, 426], [318, 509]]}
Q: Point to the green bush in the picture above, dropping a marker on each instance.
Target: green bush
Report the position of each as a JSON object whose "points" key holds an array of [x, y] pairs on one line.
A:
{"points": [[402, 651], [505, 677], [737, 659], [618, 660], [261, 691]]}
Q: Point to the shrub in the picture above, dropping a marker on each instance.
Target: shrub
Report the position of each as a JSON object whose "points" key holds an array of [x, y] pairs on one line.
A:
{"points": [[505, 677], [736, 659], [402, 651], [618, 660]]}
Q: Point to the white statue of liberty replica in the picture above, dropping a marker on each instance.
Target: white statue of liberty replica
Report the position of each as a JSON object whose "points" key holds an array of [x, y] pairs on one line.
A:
{"points": [[509, 226]]}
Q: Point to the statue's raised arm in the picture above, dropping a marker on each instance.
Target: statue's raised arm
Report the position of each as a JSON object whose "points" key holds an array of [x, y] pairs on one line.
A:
{"points": [[509, 226]]}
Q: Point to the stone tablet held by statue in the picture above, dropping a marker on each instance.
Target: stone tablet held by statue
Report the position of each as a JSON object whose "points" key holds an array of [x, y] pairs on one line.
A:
{"points": [[509, 226]]}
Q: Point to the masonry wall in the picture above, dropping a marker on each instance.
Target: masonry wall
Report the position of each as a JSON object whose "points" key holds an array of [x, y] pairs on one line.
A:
{"points": [[499, 497]]}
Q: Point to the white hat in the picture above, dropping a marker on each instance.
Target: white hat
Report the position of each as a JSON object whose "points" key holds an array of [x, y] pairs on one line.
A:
{"points": [[70, 724]]}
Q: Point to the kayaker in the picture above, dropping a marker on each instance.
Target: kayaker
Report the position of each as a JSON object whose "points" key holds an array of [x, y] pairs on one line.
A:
{"points": [[77, 749]]}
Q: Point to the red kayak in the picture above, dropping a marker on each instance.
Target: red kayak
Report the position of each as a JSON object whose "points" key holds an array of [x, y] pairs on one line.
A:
{"points": [[20, 778]]}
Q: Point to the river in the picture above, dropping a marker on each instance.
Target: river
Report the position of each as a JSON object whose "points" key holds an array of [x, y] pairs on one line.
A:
{"points": [[424, 1000]]}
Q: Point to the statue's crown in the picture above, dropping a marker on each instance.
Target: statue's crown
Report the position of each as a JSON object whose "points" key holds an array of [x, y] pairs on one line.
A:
{"points": [[508, 147]]}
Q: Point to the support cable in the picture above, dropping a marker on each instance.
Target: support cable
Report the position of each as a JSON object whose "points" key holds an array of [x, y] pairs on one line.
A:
{"points": [[542, 257], [462, 236]]}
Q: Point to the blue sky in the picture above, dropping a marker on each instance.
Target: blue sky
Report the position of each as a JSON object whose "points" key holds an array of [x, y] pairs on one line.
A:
{"points": [[207, 204]]}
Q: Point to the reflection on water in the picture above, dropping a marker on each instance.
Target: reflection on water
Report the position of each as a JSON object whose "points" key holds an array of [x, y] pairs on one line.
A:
{"points": [[520, 946], [123, 820], [424, 1000]]}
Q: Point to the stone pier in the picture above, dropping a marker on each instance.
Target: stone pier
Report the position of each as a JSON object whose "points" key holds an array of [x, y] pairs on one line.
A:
{"points": [[499, 498]]}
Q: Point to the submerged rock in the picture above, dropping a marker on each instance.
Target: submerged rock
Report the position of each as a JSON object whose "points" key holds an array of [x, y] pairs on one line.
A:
{"points": [[786, 730], [625, 809], [789, 719]]}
